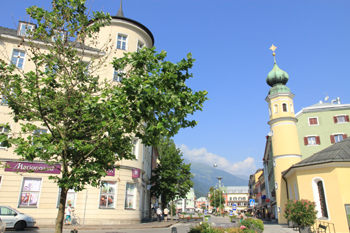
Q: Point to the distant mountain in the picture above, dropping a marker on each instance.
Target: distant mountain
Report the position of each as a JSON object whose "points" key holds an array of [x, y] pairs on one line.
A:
{"points": [[204, 177]]}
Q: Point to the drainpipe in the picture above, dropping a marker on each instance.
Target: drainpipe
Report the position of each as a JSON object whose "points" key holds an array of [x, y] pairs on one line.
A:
{"points": [[286, 187]]}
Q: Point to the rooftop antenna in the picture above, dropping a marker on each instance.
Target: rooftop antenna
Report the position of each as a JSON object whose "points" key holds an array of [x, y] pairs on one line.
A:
{"points": [[326, 98]]}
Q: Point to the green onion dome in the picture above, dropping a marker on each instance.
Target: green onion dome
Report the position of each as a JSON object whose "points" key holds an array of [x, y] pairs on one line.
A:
{"points": [[277, 80]]}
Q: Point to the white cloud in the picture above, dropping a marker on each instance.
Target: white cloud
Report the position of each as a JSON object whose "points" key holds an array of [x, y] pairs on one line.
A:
{"points": [[245, 167]]}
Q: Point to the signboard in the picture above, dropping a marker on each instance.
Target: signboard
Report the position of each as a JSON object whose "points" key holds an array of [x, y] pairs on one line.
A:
{"points": [[205, 212], [32, 167], [251, 202], [231, 213], [111, 172], [234, 207], [135, 173]]}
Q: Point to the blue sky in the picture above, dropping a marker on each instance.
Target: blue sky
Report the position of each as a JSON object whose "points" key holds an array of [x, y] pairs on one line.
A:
{"points": [[230, 40]]}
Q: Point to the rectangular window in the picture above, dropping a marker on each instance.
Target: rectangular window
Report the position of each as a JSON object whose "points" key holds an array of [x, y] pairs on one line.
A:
{"points": [[338, 138], [24, 29], [58, 35], [140, 45], [341, 119], [38, 132], [18, 58], [30, 192], [117, 77], [312, 140], [313, 121], [107, 196], [3, 130], [121, 41], [71, 196], [130, 196]]}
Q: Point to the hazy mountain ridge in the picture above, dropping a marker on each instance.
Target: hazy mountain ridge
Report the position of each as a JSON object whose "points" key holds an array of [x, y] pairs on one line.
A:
{"points": [[204, 176]]}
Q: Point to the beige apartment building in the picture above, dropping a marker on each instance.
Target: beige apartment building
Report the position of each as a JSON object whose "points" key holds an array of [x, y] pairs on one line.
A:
{"points": [[125, 197]]}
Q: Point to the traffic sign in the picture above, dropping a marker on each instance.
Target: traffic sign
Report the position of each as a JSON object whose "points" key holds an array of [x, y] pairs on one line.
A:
{"points": [[251, 202], [231, 213], [205, 212], [234, 207]]}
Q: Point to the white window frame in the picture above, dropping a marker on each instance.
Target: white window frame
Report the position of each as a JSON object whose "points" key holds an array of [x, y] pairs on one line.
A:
{"points": [[296, 191], [118, 72], [108, 194], [69, 191], [308, 121], [270, 112], [134, 196], [88, 67], [135, 148], [138, 48], [8, 135], [275, 107], [317, 197], [24, 33], [24, 57], [126, 41], [286, 107], [21, 192], [341, 115], [58, 33]]}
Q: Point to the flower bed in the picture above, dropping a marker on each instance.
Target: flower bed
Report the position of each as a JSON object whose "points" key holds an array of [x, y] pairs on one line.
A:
{"points": [[247, 226]]}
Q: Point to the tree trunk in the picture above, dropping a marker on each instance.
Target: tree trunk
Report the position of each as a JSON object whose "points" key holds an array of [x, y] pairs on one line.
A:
{"points": [[61, 210], [171, 209]]}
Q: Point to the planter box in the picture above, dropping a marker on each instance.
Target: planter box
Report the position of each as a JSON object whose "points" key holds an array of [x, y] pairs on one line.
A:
{"points": [[183, 220], [207, 219], [234, 220], [304, 229], [191, 220]]}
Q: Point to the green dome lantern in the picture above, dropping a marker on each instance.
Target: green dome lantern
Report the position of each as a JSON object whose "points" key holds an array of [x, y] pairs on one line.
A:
{"points": [[277, 78]]}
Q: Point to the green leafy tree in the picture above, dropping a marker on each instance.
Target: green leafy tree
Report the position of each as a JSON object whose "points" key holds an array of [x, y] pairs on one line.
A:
{"points": [[172, 177], [203, 207], [91, 122], [215, 197]]}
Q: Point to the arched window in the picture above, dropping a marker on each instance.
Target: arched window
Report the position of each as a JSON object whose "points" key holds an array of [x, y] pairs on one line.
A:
{"points": [[296, 191], [284, 107], [320, 198], [239, 199], [243, 198], [270, 112], [291, 108], [235, 198], [275, 108]]}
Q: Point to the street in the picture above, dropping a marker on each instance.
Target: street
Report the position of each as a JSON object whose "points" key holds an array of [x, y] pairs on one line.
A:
{"points": [[176, 228]]}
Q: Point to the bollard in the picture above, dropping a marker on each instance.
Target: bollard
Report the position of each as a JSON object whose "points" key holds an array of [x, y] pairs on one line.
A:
{"points": [[173, 230]]}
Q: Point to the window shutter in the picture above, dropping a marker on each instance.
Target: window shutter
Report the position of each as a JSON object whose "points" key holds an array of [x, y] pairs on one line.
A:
{"points": [[332, 139], [306, 141], [318, 142], [310, 121], [345, 136], [335, 119], [347, 118]]}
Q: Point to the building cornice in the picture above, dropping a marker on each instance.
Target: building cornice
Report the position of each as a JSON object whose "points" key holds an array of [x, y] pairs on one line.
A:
{"points": [[278, 94], [293, 119], [86, 51]]}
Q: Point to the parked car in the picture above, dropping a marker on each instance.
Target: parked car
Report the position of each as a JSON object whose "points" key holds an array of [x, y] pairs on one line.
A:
{"points": [[2, 226], [15, 219]]}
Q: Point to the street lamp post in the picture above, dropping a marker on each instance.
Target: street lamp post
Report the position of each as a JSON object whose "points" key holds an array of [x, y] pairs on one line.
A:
{"points": [[219, 178]]}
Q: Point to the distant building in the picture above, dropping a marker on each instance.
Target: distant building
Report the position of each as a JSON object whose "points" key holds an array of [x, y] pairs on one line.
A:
{"points": [[237, 195], [186, 204]]}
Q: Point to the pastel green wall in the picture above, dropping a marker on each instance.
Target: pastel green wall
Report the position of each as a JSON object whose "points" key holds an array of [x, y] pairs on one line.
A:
{"points": [[324, 129]]}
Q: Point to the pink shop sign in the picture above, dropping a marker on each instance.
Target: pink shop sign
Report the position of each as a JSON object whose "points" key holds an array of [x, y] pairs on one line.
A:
{"points": [[32, 167], [111, 172]]}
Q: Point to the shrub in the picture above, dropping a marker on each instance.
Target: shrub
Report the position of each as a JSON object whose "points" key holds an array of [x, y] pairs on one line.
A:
{"points": [[302, 212], [252, 224], [248, 214]]}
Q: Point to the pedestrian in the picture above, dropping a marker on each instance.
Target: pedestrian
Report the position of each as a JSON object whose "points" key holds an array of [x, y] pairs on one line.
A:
{"points": [[241, 217], [159, 213], [166, 212], [68, 214]]}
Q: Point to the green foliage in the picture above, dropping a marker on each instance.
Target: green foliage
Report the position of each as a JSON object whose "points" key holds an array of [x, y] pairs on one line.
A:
{"points": [[173, 208], [252, 224], [302, 212], [91, 122], [248, 214], [214, 198], [172, 177], [208, 228]]}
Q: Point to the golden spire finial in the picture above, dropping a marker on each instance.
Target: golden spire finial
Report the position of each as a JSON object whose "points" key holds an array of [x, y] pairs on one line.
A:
{"points": [[273, 48]]}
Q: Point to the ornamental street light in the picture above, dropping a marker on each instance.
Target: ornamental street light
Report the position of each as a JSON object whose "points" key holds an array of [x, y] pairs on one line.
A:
{"points": [[219, 179]]}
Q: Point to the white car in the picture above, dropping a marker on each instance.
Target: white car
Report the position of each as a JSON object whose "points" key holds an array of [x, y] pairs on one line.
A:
{"points": [[15, 219], [2, 226]]}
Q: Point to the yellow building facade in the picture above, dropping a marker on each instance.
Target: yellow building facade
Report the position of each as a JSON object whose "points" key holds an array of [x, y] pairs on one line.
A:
{"points": [[124, 198]]}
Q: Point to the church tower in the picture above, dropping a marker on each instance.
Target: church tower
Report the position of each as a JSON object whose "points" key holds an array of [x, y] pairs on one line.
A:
{"points": [[285, 143]]}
